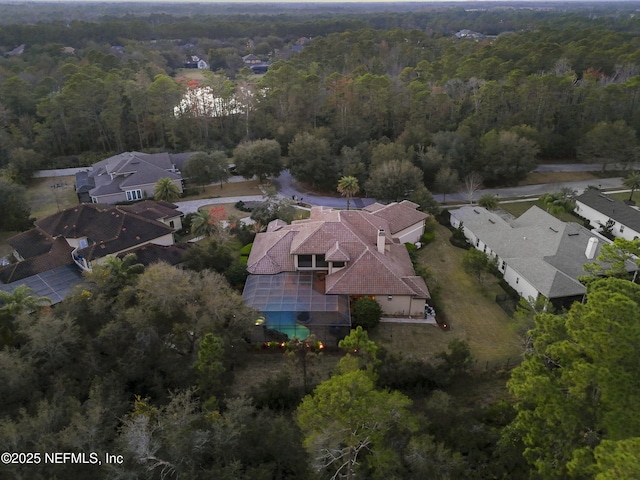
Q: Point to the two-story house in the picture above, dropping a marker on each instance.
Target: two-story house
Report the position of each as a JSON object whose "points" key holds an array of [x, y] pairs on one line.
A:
{"points": [[304, 275]]}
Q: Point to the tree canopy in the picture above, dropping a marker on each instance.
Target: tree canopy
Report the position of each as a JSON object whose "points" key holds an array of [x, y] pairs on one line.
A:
{"points": [[575, 391]]}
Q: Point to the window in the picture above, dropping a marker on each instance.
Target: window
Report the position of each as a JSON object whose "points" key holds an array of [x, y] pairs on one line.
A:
{"points": [[305, 261], [621, 228], [321, 261], [338, 264], [504, 264], [517, 279], [134, 195], [477, 242], [172, 224]]}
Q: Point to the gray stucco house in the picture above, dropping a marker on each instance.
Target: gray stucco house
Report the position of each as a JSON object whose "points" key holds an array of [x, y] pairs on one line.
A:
{"points": [[537, 254], [128, 177]]}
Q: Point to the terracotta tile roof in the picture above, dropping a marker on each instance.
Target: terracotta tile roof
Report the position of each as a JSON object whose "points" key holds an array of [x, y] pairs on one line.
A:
{"points": [[349, 236], [370, 274], [336, 254], [400, 215], [270, 255]]}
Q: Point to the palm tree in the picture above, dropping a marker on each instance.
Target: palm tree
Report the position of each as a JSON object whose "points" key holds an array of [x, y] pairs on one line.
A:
{"points": [[632, 181], [201, 224], [166, 190], [488, 201], [20, 300], [558, 203], [348, 187]]}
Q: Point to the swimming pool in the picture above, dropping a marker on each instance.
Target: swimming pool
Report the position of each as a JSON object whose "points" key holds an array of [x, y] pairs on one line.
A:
{"points": [[285, 322]]}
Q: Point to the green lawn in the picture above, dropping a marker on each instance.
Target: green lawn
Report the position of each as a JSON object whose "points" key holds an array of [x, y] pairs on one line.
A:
{"points": [[473, 314], [518, 208]]}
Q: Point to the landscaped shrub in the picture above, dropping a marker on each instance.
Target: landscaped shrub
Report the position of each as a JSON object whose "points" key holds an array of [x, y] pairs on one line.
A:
{"points": [[444, 218], [458, 239], [237, 274], [366, 313], [240, 205], [246, 250], [427, 237]]}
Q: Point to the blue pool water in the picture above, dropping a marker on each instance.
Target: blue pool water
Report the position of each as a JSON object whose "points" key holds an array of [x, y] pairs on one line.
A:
{"points": [[285, 322]]}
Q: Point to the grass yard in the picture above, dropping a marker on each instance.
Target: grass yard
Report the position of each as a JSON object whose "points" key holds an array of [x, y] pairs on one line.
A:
{"points": [[625, 196], [230, 210], [47, 196], [235, 189], [473, 314], [518, 208]]}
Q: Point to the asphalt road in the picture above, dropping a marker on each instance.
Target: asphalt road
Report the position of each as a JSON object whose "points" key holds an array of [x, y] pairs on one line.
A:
{"points": [[288, 187]]}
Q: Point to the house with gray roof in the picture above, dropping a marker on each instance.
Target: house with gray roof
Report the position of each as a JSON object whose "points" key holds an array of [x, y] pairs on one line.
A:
{"points": [[129, 176], [600, 209], [537, 253], [312, 268]]}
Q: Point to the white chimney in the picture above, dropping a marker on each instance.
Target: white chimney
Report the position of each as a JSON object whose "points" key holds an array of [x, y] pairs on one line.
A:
{"points": [[590, 252], [381, 239]]}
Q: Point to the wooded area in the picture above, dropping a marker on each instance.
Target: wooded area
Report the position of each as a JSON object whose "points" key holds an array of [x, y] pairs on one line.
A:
{"points": [[141, 362]]}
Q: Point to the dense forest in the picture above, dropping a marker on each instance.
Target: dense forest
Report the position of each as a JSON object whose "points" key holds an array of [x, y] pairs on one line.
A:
{"points": [[141, 362], [530, 84]]}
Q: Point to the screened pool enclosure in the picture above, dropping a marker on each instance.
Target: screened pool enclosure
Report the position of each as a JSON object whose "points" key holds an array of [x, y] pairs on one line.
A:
{"points": [[293, 304]]}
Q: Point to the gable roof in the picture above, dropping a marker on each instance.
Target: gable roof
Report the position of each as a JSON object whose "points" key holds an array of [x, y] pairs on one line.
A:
{"points": [[343, 236], [130, 169], [400, 215], [547, 252], [611, 207]]}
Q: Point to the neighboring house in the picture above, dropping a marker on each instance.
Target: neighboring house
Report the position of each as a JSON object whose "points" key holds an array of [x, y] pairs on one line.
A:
{"points": [[304, 274], [600, 209], [251, 59], [466, 33], [256, 65], [16, 52], [196, 62], [128, 177], [87, 235], [537, 254]]}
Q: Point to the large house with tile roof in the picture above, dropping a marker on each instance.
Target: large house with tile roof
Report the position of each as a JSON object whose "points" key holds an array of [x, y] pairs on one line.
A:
{"points": [[128, 177], [341, 255], [600, 209], [86, 235], [537, 253]]}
